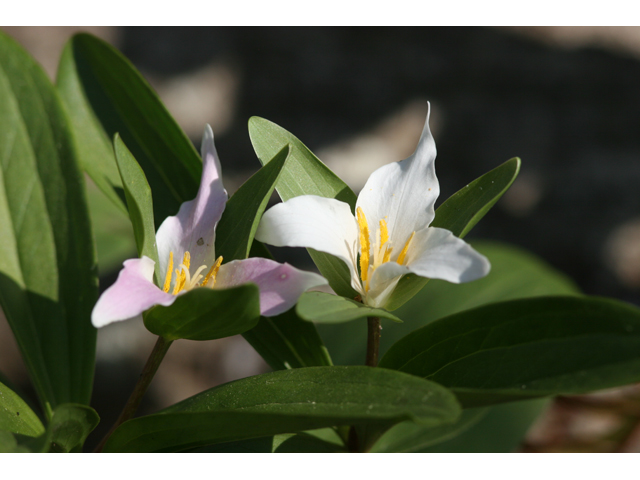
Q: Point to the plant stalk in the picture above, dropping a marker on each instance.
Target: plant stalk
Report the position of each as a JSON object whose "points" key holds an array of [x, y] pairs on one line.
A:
{"points": [[148, 372], [373, 341]]}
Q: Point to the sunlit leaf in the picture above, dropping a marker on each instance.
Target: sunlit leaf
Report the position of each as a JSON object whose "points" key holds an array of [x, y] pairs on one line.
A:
{"points": [[288, 401], [48, 278], [320, 307], [305, 174]]}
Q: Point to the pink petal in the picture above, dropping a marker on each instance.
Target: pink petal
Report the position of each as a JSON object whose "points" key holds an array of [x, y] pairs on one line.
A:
{"points": [[132, 294], [280, 284], [193, 228]]}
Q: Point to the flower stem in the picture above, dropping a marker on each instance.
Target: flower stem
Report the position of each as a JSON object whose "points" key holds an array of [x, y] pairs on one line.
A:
{"points": [[373, 341], [149, 370]]}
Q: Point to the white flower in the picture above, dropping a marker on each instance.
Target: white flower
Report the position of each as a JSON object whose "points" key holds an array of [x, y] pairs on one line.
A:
{"points": [[390, 234]]}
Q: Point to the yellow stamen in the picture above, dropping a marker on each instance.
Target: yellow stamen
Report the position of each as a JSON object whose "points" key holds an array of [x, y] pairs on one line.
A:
{"points": [[403, 253], [181, 276], [167, 280], [364, 244], [384, 232], [213, 272], [387, 254]]}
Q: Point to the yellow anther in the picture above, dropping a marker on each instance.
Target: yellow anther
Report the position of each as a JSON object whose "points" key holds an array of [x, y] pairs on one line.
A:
{"points": [[180, 279], [387, 254], [403, 253], [213, 272], [181, 276], [167, 280], [364, 244], [384, 232]]}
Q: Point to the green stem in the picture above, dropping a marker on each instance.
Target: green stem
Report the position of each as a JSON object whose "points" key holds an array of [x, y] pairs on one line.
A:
{"points": [[149, 370], [373, 341]]}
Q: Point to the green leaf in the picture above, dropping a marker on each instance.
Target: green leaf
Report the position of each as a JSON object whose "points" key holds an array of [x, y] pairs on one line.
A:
{"points": [[286, 341], [459, 214], [139, 202], [93, 144], [70, 426], [106, 95], [48, 277], [501, 430], [305, 174], [16, 416], [525, 349], [242, 214], [67, 431], [467, 206], [9, 444], [409, 437], [112, 231], [206, 314], [288, 401], [320, 307]]}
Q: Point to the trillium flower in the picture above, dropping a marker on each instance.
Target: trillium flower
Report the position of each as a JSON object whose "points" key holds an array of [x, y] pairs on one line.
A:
{"points": [[189, 238], [390, 234]]}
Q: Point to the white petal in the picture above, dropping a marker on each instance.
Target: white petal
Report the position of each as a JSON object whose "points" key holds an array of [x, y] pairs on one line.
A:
{"points": [[403, 193], [131, 294], [193, 228], [324, 224], [280, 284], [437, 253], [382, 283]]}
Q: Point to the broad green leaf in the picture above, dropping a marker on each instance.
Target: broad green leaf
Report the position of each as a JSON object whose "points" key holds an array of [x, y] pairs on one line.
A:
{"points": [[320, 307], [286, 341], [16, 416], [288, 401], [139, 202], [105, 95], [409, 437], [206, 314], [242, 214], [305, 174], [525, 349], [48, 278], [459, 214]]}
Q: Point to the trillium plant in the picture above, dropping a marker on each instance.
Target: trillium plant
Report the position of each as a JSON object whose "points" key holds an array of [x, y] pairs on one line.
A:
{"points": [[190, 235], [393, 334]]}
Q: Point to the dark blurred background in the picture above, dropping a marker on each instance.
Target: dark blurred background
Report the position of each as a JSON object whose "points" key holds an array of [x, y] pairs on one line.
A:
{"points": [[566, 100]]}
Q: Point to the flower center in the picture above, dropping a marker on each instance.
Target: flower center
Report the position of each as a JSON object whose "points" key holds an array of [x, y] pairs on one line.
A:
{"points": [[382, 248], [184, 280]]}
